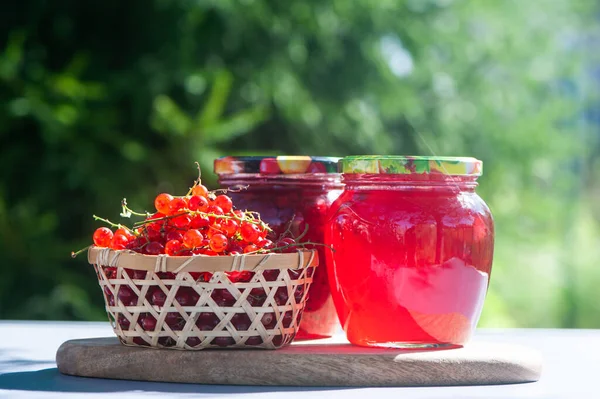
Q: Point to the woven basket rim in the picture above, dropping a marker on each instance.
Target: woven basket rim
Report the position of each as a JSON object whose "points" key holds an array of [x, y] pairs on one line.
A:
{"points": [[301, 259]]}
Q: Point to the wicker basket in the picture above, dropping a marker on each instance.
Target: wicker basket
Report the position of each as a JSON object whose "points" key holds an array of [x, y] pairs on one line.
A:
{"points": [[143, 294]]}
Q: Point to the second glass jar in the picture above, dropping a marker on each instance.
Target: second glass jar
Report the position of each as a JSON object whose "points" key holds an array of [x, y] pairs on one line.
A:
{"points": [[291, 192], [413, 246]]}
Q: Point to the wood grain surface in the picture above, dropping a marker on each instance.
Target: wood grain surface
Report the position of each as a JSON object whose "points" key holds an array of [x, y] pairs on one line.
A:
{"points": [[311, 363]]}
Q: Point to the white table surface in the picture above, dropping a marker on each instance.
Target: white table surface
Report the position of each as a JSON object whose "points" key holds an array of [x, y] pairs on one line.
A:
{"points": [[28, 369]]}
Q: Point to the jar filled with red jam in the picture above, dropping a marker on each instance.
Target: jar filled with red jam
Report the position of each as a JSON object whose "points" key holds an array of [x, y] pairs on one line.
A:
{"points": [[413, 246], [293, 194]]}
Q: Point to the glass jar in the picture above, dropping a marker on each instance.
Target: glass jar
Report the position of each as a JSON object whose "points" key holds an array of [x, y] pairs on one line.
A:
{"points": [[413, 246], [291, 192]]}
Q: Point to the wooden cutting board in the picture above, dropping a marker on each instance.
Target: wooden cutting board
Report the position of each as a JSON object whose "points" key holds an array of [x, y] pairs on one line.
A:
{"points": [[311, 363]]}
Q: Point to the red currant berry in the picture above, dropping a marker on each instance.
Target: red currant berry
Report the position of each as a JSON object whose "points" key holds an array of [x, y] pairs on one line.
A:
{"points": [[256, 300], [299, 293], [148, 323], [174, 321], [153, 234], [207, 321], [161, 203], [250, 232], [250, 248], [193, 238], [223, 202], [287, 241], [230, 227], [102, 237], [187, 296], [241, 321], [258, 292], [218, 243], [240, 277], [287, 319], [154, 248], [278, 341], [238, 213], [200, 190], [268, 320], [137, 244], [223, 298], [177, 205], [127, 296], [281, 296], [271, 275], [111, 272], [214, 210], [294, 274], [264, 243], [136, 274], [125, 232], [123, 322], [119, 242], [286, 245], [198, 203], [158, 297], [174, 235], [212, 230], [173, 248], [181, 221], [235, 247], [199, 222]]}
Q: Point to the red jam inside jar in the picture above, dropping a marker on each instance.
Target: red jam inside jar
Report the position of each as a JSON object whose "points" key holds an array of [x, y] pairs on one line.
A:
{"points": [[413, 246], [294, 192]]}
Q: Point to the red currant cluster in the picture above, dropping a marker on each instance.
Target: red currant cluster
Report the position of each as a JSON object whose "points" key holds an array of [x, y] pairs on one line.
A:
{"points": [[201, 222]]}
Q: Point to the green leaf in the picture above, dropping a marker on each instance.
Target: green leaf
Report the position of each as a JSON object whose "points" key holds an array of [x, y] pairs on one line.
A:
{"points": [[217, 99], [12, 56], [236, 125], [169, 118]]}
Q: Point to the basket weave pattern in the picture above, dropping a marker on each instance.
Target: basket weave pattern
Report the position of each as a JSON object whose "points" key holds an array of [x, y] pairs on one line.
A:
{"points": [[271, 323]]}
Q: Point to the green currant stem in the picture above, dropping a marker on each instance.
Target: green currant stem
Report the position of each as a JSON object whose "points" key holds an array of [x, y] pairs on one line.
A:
{"points": [[302, 245], [303, 233], [126, 209], [74, 254], [233, 189], [288, 229], [143, 222], [111, 224], [250, 220], [197, 181]]}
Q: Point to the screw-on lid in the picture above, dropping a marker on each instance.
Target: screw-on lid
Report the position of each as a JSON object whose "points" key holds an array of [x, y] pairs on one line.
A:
{"points": [[288, 164], [396, 164]]}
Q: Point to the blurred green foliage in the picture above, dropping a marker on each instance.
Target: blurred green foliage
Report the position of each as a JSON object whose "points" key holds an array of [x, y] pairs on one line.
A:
{"points": [[112, 99]]}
